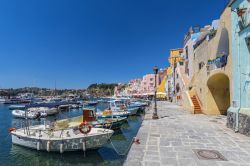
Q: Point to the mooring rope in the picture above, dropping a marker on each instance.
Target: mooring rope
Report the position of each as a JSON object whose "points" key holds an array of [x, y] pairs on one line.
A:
{"points": [[125, 152]]}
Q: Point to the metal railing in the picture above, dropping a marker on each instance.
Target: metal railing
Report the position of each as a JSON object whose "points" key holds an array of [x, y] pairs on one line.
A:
{"points": [[217, 63]]}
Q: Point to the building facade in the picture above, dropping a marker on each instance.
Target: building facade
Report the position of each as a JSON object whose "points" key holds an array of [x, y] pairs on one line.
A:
{"points": [[239, 112]]}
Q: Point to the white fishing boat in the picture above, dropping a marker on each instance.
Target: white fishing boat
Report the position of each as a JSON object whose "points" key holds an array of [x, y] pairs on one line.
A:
{"points": [[61, 137], [46, 110], [2, 100], [111, 114], [120, 106], [21, 114]]}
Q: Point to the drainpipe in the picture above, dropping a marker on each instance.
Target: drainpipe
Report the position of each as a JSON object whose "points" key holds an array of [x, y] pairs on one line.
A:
{"points": [[239, 66]]}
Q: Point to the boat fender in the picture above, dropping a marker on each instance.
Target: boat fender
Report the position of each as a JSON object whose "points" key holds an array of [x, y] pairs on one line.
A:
{"points": [[61, 147], [84, 146], [11, 129], [48, 146], [85, 128], [38, 146], [136, 141]]}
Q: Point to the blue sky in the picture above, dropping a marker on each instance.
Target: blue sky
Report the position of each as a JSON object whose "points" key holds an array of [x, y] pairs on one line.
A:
{"points": [[79, 42]]}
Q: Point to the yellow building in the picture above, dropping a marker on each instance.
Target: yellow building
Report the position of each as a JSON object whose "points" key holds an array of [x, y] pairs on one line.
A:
{"points": [[210, 89], [161, 89], [175, 56]]}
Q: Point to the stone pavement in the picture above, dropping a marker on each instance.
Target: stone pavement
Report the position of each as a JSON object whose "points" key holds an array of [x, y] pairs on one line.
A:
{"points": [[173, 139]]}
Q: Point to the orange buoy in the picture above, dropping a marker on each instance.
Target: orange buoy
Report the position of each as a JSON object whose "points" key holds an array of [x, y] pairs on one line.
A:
{"points": [[11, 129]]}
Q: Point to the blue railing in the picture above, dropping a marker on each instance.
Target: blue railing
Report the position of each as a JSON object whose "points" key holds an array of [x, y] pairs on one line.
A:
{"points": [[217, 63]]}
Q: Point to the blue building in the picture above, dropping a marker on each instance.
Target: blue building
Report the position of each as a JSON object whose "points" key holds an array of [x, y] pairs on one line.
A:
{"points": [[239, 112]]}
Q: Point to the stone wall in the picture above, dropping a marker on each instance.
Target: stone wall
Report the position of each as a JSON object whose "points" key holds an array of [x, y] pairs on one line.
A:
{"points": [[231, 120], [244, 124]]}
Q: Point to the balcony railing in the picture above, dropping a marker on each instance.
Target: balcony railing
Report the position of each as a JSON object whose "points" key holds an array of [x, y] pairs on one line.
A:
{"points": [[217, 63]]}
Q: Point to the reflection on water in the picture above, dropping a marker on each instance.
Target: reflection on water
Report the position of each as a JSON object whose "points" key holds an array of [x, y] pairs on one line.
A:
{"points": [[16, 155]]}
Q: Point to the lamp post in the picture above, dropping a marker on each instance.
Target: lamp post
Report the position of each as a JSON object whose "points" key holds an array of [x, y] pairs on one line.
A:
{"points": [[155, 116]]}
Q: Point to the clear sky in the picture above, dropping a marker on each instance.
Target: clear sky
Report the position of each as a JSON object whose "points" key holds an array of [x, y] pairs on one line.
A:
{"points": [[79, 42]]}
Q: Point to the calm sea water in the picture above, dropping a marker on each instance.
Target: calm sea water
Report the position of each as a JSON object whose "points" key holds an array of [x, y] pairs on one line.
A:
{"points": [[12, 155]]}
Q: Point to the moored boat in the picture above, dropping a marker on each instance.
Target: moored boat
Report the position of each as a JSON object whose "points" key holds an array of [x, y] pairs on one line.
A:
{"points": [[22, 114], [17, 107], [132, 110], [110, 114], [46, 110], [60, 139], [89, 116], [91, 103]]}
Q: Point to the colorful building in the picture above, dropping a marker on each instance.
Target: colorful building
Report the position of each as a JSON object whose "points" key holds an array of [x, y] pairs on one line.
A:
{"points": [[169, 87], [239, 112], [134, 87], [210, 88], [148, 85], [162, 80]]}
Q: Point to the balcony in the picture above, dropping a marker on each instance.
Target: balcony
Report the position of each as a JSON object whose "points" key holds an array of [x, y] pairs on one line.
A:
{"points": [[217, 63]]}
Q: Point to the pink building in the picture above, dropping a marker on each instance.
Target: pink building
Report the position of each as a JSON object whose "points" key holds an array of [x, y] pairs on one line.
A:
{"points": [[134, 87], [148, 84]]}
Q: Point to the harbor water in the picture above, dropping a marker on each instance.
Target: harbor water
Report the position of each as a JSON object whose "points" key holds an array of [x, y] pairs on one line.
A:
{"points": [[13, 155]]}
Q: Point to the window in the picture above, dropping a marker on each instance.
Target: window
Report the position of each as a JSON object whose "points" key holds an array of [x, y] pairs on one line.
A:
{"points": [[186, 49], [201, 64], [177, 75], [248, 43], [186, 68], [151, 79]]}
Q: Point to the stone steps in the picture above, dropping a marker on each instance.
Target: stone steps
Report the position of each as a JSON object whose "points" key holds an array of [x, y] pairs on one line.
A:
{"points": [[197, 107]]}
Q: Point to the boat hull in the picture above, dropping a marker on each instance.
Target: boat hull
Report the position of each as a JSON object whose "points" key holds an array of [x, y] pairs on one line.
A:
{"points": [[133, 111], [65, 145]]}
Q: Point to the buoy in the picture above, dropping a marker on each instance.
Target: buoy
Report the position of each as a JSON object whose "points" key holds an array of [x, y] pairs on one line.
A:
{"points": [[48, 146], [137, 141], [61, 147], [38, 146], [12, 129]]}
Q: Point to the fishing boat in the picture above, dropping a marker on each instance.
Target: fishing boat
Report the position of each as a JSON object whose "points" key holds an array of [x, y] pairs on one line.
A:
{"points": [[61, 137], [111, 114], [137, 104], [2, 99], [22, 114], [17, 107], [48, 111], [74, 106], [89, 116], [121, 106], [132, 110], [91, 103]]}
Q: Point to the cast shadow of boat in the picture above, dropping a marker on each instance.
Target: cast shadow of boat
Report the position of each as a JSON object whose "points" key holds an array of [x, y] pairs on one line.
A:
{"points": [[24, 156]]}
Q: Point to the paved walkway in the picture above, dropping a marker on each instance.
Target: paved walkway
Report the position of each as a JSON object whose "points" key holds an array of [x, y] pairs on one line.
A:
{"points": [[172, 139]]}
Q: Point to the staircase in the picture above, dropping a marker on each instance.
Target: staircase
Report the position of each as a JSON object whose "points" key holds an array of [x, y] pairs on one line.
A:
{"points": [[197, 107]]}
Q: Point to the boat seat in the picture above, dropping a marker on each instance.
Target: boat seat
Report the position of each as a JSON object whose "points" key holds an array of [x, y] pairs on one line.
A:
{"points": [[62, 124]]}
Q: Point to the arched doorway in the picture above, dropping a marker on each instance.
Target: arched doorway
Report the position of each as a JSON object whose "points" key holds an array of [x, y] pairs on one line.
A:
{"points": [[219, 87]]}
